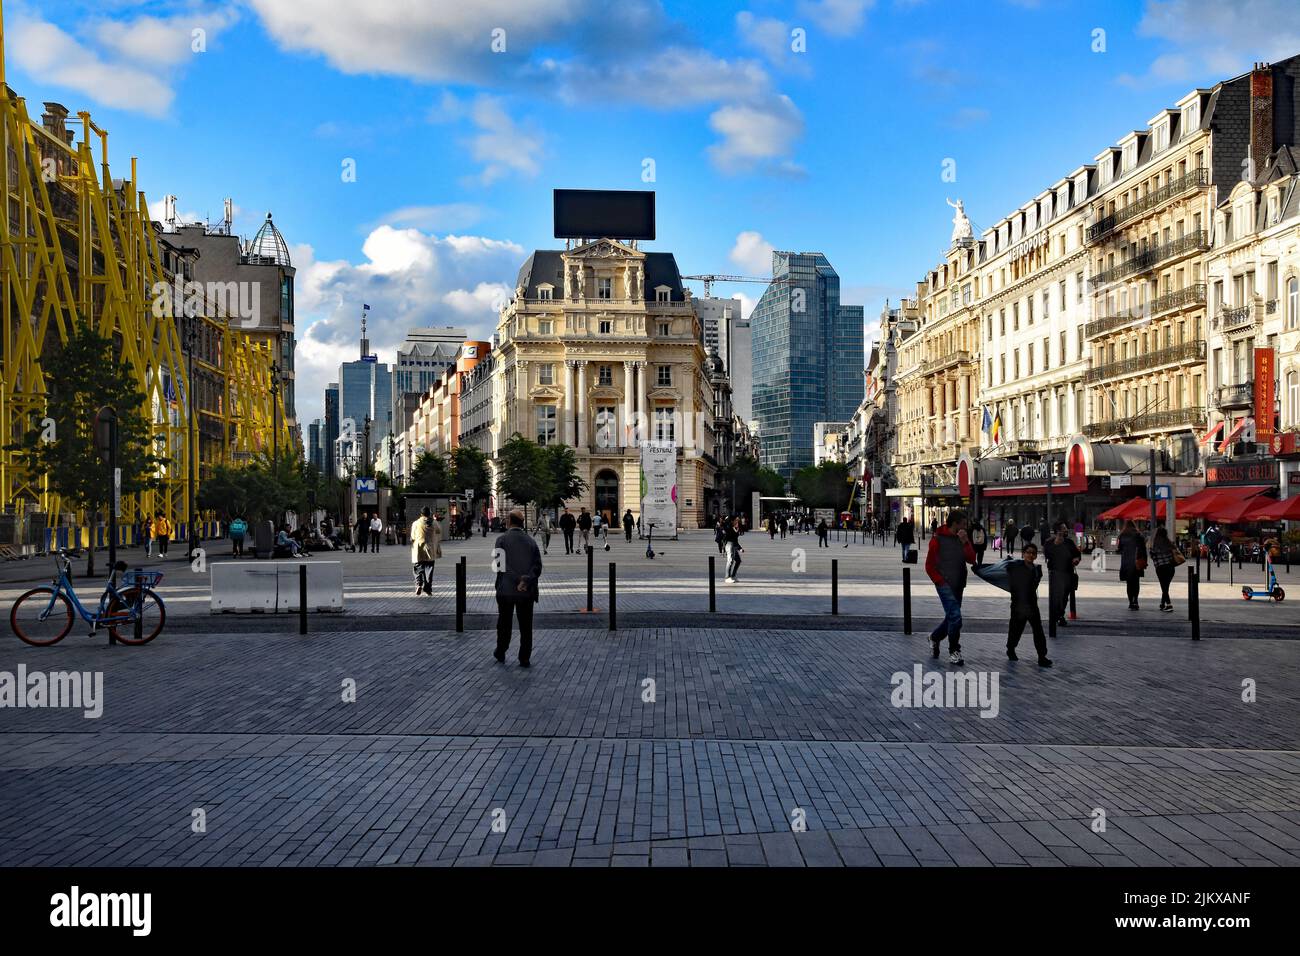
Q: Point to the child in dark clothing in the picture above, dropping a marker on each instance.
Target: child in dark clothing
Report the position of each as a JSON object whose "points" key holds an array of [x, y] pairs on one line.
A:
{"points": [[1023, 576]]}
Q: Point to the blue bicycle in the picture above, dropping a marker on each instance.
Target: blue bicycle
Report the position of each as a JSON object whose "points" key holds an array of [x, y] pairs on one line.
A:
{"points": [[43, 615]]}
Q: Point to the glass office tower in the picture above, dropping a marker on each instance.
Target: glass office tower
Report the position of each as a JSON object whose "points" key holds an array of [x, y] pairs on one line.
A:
{"points": [[808, 354]]}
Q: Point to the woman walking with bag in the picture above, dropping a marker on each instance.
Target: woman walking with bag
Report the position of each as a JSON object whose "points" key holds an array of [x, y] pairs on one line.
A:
{"points": [[1132, 562], [1166, 556]]}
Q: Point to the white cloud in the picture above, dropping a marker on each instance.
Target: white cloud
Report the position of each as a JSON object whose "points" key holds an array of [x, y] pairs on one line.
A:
{"points": [[837, 17], [437, 218], [502, 145], [755, 134], [752, 253], [409, 279], [767, 35], [124, 64], [43, 50], [1213, 40]]}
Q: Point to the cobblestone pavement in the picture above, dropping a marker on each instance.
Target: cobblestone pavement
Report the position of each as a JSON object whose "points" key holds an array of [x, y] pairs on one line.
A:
{"points": [[750, 730], [676, 580]]}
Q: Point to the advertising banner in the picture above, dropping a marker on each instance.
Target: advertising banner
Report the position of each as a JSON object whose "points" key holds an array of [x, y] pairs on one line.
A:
{"points": [[1264, 374], [659, 487]]}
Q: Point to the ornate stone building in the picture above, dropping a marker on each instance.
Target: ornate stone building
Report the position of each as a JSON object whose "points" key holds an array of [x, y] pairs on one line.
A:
{"points": [[600, 348]]}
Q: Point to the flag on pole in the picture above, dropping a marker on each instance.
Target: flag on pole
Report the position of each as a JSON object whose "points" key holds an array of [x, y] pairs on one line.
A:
{"points": [[364, 307], [987, 423], [997, 429]]}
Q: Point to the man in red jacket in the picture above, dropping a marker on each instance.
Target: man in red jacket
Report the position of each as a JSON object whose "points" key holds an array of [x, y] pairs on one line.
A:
{"points": [[950, 552]]}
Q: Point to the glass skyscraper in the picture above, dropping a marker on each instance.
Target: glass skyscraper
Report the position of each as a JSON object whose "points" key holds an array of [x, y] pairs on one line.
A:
{"points": [[808, 353]]}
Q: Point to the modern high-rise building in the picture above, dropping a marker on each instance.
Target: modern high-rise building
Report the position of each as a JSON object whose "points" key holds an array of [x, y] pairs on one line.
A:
{"points": [[315, 457], [807, 357], [422, 360], [331, 435], [729, 334]]}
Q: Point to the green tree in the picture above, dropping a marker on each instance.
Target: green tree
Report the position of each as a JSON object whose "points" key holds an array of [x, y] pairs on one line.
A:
{"points": [[430, 474], [88, 372], [560, 466], [522, 476], [823, 486], [263, 489], [469, 469], [748, 477]]}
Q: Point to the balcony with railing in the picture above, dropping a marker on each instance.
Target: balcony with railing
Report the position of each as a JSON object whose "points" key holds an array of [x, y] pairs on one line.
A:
{"points": [[1193, 417], [945, 361], [1191, 295], [1237, 318], [1195, 179], [1145, 261], [1236, 396], [1187, 352]]}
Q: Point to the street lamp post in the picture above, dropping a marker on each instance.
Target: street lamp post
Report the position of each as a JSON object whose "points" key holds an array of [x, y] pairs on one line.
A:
{"points": [[275, 417]]}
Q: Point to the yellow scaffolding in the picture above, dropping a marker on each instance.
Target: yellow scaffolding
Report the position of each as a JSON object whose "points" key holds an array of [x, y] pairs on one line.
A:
{"points": [[58, 208]]}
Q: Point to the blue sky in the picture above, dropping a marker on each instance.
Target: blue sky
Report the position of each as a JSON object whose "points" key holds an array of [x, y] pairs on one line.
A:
{"points": [[837, 147]]}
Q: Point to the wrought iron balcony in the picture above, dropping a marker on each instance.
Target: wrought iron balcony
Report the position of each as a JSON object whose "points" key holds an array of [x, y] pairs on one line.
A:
{"points": [[1190, 295], [1187, 352], [1195, 241], [1230, 320], [1108, 224], [1193, 417], [1236, 396], [1020, 446]]}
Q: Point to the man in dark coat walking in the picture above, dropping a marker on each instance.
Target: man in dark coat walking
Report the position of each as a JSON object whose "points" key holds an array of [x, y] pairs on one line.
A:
{"points": [[518, 565], [567, 524], [628, 523], [946, 561]]}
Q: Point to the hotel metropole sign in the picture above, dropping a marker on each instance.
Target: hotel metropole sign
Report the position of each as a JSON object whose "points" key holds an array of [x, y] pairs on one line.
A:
{"points": [[1031, 471]]}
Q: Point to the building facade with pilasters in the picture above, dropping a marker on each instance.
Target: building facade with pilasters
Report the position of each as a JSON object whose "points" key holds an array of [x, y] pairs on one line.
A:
{"points": [[599, 349]]}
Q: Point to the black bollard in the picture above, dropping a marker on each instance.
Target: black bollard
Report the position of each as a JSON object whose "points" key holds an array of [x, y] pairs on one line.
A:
{"points": [[460, 597], [1209, 569], [1074, 615], [713, 587], [1051, 611], [590, 579], [1194, 602], [835, 586], [907, 600], [302, 599], [613, 599]]}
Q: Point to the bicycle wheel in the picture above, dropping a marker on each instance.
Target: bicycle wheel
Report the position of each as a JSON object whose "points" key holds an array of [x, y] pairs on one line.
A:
{"points": [[152, 613], [41, 617]]}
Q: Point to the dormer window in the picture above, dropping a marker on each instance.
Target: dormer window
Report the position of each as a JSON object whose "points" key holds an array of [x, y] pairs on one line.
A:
{"points": [[1162, 137], [1130, 156], [544, 292], [662, 293], [1191, 116]]}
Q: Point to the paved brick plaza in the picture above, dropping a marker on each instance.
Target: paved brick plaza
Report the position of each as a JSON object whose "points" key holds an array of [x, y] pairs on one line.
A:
{"points": [[751, 726]]}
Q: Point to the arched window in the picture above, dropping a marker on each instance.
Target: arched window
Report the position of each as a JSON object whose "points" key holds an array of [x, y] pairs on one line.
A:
{"points": [[1293, 397], [1293, 303]]}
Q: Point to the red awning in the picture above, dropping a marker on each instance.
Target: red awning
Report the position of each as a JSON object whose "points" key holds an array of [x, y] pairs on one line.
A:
{"points": [[1234, 509], [1135, 509], [1288, 509], [1206, 500]]}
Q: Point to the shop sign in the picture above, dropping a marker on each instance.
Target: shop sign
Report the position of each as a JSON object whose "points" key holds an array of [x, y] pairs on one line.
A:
{"points": [[1252, 472], [1032, 471]]}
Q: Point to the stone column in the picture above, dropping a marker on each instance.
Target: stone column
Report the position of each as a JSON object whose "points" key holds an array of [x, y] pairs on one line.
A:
{"points": [[629, 385], [646, 410], [583, 438], [570, 366], [963, 407]]}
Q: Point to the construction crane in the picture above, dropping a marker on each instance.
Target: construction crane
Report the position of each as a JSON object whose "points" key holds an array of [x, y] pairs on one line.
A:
{"points": [[710, 279]]}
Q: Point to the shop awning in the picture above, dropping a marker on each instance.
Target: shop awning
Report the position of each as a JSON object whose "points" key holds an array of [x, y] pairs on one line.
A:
{"points": [[1135, 509], [1288, 509], [1231, 503], [1234, 509], [1202, 503]]}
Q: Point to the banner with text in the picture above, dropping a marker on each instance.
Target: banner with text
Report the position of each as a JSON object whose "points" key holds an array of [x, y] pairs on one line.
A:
{"points": [[1264, 374], [659, 486]]}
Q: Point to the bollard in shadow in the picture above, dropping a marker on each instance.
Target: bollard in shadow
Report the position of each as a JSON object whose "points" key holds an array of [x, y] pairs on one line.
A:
{"points": [[613, 598], [713, 587], [460, 597], [1194, 602], [907, 600], [302, 599], [591, 596], [835, 586]]}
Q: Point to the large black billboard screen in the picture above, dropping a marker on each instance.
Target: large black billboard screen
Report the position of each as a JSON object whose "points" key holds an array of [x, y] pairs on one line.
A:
{"points": [[604, 213]]}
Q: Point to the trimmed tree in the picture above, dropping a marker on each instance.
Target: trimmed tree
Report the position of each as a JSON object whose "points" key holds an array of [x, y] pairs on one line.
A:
{"points": [[522, 476], [86, 374]]}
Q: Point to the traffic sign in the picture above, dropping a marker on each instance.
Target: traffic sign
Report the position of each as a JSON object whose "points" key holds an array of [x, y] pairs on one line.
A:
{"points": [[1164, 492], [367, 485]]}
